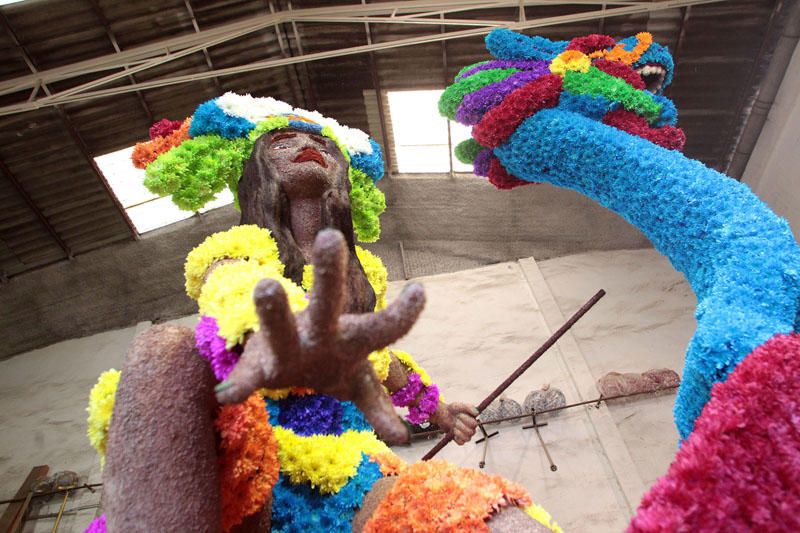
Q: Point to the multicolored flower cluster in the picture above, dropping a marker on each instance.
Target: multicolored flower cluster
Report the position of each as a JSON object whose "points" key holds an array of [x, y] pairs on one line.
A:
{"points": [[164, 136], [593, 76], [741, 260], [101, 406], [207, 153], [299, 507]]}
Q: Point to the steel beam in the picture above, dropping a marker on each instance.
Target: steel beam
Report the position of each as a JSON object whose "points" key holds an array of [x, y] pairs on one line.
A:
{"points": [[206, 55], [82, 92], [113, 38], [168, 49], [36, 211], [307, 74], [78, 140], [74, 135]]}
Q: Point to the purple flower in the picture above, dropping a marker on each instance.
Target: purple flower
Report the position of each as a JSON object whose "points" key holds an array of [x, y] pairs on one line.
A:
{"points": [[481, 163], [212, 347], [313, 414], [522, 65], [425, 407], [98, 525], [476, 104], [409, 392]]}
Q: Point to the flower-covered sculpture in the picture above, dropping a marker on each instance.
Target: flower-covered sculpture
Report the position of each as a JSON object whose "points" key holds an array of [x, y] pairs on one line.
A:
{"points": [[293, 332], [588, 114]]}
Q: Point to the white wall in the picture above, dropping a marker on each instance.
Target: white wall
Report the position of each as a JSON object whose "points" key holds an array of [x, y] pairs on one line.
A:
{"points": [[773, 170]]}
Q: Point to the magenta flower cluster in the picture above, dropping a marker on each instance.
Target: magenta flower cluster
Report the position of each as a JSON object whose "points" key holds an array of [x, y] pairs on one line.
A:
{"points": [[98, 525], [739, 470], [212, 347], [408, 394]]}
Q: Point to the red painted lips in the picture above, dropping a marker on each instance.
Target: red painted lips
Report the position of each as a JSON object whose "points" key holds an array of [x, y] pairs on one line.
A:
{"points": [[310, 154]]}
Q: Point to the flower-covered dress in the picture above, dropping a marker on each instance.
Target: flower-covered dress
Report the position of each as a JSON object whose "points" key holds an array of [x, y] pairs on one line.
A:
{"points": [[329, 457]]}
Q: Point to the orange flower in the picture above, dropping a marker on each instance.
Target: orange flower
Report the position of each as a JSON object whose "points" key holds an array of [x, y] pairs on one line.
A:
{"points": [[618, 53], [147, 152], [437, 496], [390, 464], [248, 459]]}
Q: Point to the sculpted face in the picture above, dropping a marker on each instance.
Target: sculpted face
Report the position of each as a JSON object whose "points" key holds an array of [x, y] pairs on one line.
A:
{"points": [[306, 164]]}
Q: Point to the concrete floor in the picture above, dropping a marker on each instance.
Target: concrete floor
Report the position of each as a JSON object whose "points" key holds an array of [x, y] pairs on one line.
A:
{"points": [[478, 326]]}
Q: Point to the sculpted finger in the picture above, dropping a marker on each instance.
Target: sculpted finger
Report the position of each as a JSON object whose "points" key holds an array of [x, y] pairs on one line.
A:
{"points": [[370, 398], [460, 437], [468, 421], [245, 377], [376, 330], [276, 318], [329, 293]]}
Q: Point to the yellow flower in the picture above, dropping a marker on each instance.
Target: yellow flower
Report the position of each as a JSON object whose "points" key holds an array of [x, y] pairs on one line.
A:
{"points": [[538, 513], [308, 277], [376, 275], [409, 363], [327, 462], [101, 406], [381, 360], [228, 297], [373, 268], [574, 60], [247, 242]]}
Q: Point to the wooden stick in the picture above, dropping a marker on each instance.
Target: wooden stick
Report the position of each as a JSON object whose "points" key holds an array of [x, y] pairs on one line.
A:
{"points": [[524, 366]]}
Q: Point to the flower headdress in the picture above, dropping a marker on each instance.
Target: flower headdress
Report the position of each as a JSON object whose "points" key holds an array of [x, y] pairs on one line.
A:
{"points": [[195, 159]]}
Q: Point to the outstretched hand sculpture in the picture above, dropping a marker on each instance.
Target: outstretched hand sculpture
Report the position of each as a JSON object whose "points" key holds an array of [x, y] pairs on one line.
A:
{"points": [[321, 348]]}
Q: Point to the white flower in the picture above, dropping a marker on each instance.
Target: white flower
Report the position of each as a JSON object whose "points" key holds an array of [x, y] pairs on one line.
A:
{"points": [[251, 108], [258, 109]]}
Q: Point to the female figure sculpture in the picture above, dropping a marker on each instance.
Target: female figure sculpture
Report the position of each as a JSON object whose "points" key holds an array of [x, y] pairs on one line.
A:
{"points": [[308, 355]]}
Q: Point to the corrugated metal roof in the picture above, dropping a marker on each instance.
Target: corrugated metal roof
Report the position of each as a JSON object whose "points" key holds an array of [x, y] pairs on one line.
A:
{"points": [[53, 203]]}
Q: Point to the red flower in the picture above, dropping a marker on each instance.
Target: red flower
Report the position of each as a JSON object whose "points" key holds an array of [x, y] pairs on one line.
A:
{"points": [[667, 136], [164, 127], [620, 70], [591, 43], [500, 122], [739, 470], [147, 152], [500, 178]]}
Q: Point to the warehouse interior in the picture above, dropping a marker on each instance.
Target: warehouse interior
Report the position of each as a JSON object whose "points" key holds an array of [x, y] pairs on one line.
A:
{"points": [[83, 268]]}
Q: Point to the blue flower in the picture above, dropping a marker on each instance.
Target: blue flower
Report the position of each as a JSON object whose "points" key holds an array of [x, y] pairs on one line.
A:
{"points": [[209, 118], [301, 508], [369, 164]]}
